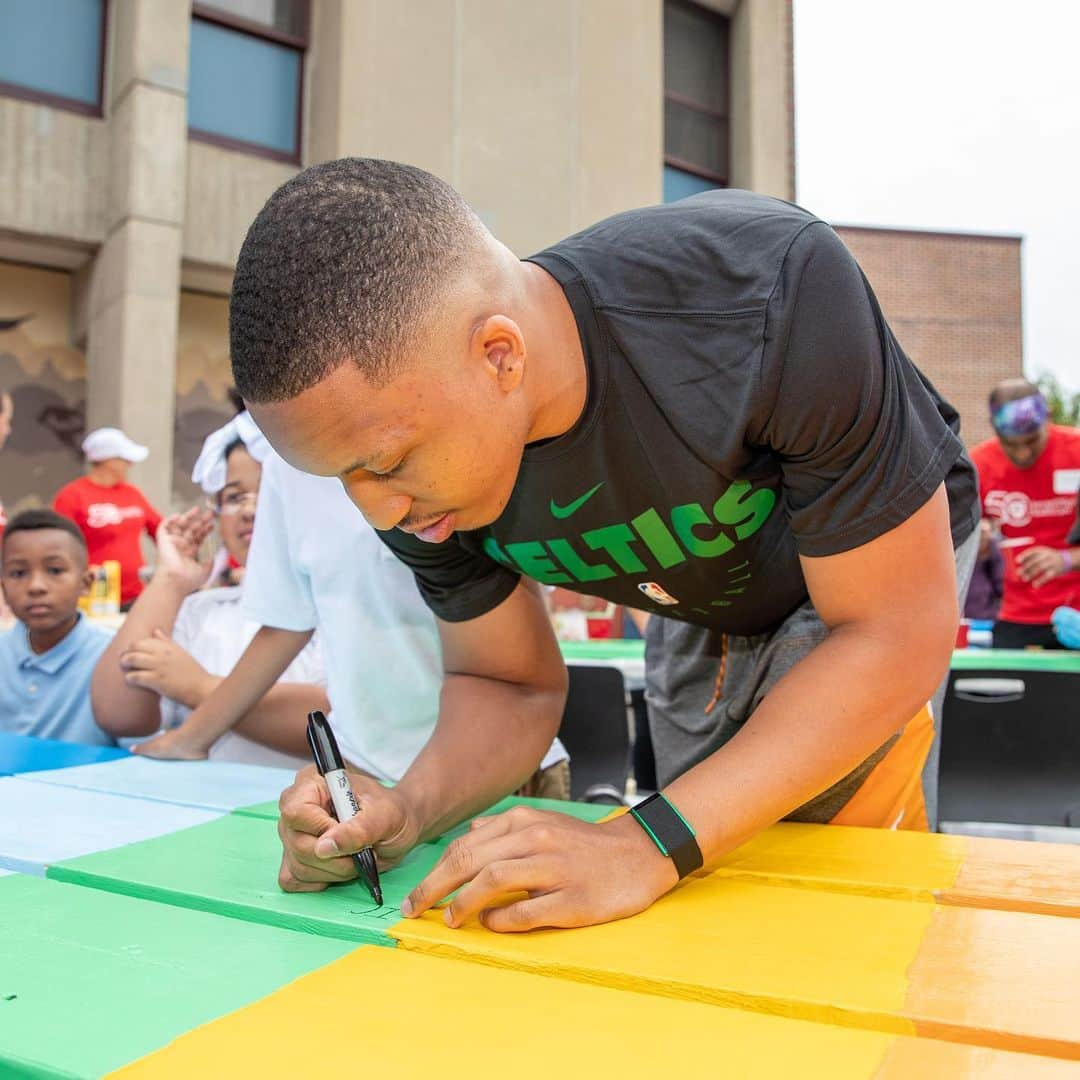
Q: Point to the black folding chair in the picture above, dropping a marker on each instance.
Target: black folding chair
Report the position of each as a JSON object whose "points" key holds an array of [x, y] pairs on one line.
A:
{"points": [[595, 731], [1010, 752]]}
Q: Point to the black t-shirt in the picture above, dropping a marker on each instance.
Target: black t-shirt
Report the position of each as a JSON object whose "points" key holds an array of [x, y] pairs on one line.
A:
{"points": [[746, 403]]}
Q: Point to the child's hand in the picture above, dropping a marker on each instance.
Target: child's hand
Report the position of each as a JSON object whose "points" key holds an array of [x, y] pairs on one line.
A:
{"points": [[178, 539], [175, 745], [157, 663]]}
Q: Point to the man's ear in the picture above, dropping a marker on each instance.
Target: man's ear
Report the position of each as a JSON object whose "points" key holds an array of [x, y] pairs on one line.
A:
{"points": [[87, 582], [499, 345]]}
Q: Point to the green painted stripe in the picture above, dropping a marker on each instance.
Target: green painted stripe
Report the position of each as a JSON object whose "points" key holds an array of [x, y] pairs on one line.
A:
{"points": [[229, 867], [607, 649], [1005, 660], [90, 981]]}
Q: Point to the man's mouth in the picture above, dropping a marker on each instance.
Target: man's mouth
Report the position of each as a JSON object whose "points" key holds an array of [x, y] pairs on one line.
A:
{"points": [[34, 610], [435, 532]]}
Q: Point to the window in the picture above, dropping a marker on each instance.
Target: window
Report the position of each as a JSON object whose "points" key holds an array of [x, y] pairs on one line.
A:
{"points": [[51, 51], [246, 75], [695, 99]]}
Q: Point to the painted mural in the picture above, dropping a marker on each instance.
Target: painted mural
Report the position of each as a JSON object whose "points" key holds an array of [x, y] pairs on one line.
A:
{"points": [[203, 381], [46, 378]]}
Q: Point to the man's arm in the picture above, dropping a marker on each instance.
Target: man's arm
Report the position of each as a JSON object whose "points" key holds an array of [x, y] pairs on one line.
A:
{"points": [[501, 705], [891, 609], [248, 700]]}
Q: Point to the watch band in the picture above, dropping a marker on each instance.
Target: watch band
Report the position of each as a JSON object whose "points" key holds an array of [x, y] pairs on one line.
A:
{"points": [[670, 832]]}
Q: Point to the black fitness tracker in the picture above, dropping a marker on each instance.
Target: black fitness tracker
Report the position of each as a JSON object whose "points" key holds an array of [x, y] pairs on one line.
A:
{"points": [[670, 832]]}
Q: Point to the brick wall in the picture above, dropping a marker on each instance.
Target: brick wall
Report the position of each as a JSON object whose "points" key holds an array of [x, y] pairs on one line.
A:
{"points": [[953, 300]]}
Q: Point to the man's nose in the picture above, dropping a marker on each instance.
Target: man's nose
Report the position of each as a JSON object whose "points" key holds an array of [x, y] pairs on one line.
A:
{"points": [[381, 506]]}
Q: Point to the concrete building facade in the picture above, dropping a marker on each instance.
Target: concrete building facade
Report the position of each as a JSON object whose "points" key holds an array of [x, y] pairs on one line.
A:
{"points": [[120, 222], [954, 302]]}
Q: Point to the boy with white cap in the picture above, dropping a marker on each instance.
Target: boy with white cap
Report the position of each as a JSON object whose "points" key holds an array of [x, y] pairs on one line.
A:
{"points": [[111, 513]]}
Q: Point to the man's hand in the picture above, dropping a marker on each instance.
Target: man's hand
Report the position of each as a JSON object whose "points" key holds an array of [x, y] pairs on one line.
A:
{"points": [[317, 848], [157, 663], [1038, 565], [179, 744], [179, 538], [575, 873]]}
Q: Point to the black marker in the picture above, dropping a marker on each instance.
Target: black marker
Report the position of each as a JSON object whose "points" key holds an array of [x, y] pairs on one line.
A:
{"points": [[331, 768]]}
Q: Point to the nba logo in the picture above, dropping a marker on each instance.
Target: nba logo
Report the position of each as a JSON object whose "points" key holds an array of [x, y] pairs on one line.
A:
{"points": [[656, 594]]}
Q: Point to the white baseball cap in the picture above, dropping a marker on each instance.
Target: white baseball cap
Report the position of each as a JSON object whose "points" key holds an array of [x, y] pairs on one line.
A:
{"points": [[110, 442]]}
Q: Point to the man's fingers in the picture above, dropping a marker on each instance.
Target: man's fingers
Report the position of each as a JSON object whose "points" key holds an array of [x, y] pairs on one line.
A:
{"points": [[288, 882], [309, 818], [519, 817], [498, 880], [531, 914], [377, 819], [304, 865], [317, 848], [305, 807], [467, 856]]}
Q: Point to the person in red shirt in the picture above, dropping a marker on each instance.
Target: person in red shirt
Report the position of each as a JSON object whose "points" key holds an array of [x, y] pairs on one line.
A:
{"points": [[111, 513], [1028, 481]]}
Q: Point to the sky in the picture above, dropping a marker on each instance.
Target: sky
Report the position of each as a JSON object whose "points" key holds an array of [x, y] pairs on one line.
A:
{"points": [[952, 115]]}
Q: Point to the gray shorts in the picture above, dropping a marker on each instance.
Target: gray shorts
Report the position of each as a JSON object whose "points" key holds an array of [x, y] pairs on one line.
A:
{"points": [[681, 662]]}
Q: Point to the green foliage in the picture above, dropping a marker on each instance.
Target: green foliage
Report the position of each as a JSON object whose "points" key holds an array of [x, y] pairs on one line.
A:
{"points": [[1064, 404]]}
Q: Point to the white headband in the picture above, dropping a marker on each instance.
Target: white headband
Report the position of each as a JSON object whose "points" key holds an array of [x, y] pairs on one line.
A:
{"points": [[210, 470]]}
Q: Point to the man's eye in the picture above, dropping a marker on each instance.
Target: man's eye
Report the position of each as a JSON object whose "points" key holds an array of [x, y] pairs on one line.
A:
{"points": [[391, 471]]}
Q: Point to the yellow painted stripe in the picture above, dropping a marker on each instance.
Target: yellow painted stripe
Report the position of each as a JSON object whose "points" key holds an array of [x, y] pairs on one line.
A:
{"points": [[1042, 878], [999, 979], [975, 976], [973, 872], [389, 1013]]}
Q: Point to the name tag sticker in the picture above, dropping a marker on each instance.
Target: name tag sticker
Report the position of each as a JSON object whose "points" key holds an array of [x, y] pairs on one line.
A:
{"points": [[1066, 481]]}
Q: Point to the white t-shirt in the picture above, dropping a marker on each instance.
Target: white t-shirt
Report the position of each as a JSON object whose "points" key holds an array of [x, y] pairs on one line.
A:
{"points": [[315, 562], [211, 626]]}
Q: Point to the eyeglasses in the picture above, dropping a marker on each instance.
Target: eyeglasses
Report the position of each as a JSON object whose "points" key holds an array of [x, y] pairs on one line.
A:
{"points": [[233, 503]]}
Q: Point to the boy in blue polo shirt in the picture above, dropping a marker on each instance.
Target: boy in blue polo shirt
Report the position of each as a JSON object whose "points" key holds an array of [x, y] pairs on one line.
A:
{"points": [[47, 659]]}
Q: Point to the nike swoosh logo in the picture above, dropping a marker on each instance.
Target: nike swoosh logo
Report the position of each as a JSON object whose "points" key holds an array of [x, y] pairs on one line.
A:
{"points": [[572, 508]]}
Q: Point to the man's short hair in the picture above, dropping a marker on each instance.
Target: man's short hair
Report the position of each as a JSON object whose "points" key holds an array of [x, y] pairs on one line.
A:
{"points": [[341, 264], [1011, 390], [33, 520]]}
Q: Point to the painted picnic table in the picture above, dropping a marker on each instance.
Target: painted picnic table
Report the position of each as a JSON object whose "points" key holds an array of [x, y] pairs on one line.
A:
{"points": [[811, 950]]}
